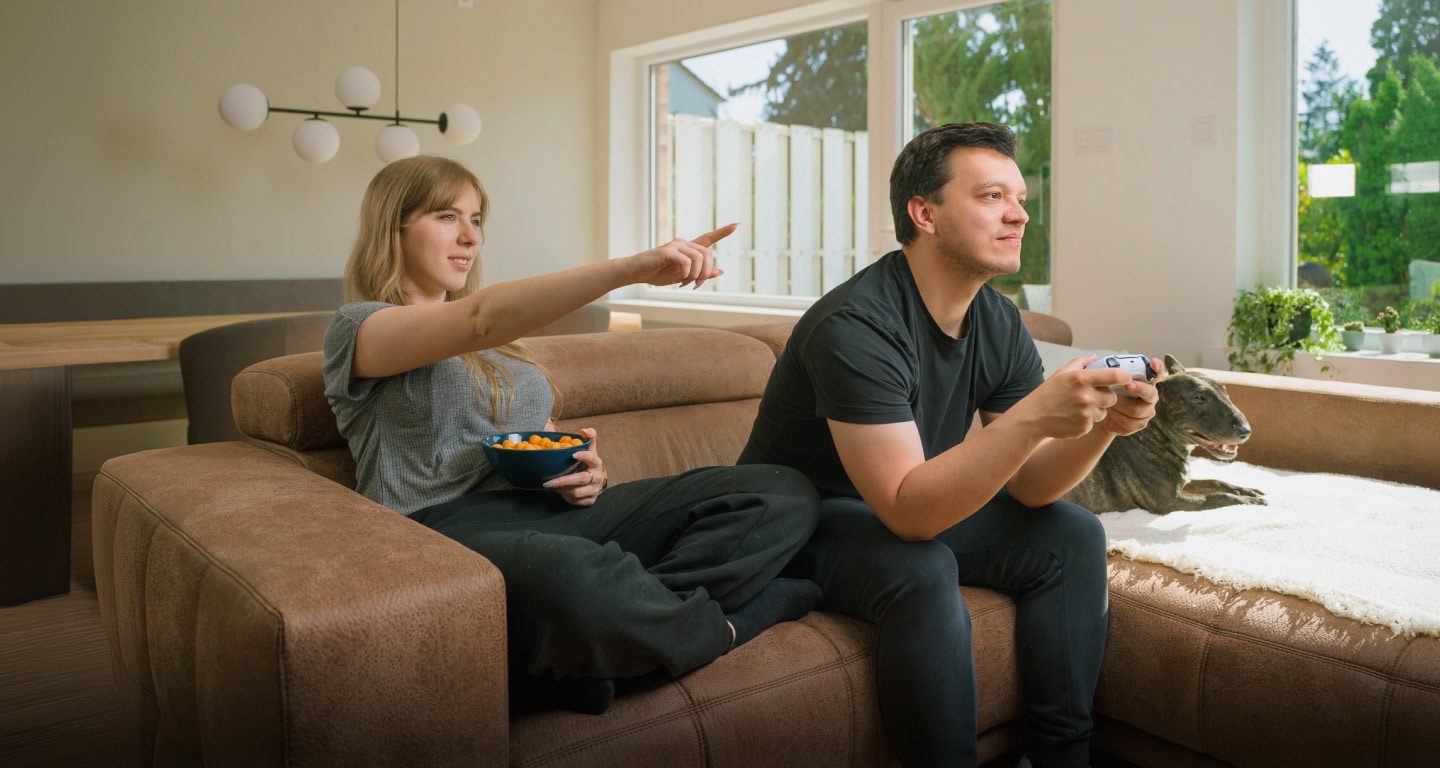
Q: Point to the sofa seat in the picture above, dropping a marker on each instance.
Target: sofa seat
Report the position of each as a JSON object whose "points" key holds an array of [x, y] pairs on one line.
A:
{"points": [[803, 693]]}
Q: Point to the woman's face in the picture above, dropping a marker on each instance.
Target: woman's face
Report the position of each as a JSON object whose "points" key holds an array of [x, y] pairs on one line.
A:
{"points": [[439, 248]]}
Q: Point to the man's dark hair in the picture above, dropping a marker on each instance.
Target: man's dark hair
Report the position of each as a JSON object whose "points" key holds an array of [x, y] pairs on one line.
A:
{"points": [[923, 166]]}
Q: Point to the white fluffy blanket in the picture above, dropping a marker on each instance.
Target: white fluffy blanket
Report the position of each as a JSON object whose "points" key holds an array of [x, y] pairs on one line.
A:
{"points": [[1365, 549]]}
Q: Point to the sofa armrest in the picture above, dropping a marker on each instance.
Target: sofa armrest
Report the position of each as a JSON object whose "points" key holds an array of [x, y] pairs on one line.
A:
{"points": [[1314, 425], [260, 614]]}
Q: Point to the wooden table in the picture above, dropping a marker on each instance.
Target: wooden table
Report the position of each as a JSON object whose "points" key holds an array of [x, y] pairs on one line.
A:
{"points": [[35, 437]]}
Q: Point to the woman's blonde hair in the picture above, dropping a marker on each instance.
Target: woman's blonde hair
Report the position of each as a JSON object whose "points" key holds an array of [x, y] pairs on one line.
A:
{"points": [[402, 189]]}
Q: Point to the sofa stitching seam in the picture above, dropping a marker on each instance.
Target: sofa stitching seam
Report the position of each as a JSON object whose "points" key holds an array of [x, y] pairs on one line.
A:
{"points": [[216, 565], [1212, 630]]}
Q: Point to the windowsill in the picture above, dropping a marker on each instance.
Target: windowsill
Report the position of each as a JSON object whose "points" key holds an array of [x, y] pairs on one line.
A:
{"points": [[661, 314], [1415, 370]]}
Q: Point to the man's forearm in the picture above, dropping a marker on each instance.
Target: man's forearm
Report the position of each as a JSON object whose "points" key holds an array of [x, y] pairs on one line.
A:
{"points": [[1056, 467]]}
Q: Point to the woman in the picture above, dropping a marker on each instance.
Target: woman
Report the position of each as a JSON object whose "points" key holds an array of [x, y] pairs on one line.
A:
{"points": [[601, 582]]}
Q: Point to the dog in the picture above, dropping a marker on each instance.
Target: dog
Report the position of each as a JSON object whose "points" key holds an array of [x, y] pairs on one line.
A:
{"points": [[1151, 468]]}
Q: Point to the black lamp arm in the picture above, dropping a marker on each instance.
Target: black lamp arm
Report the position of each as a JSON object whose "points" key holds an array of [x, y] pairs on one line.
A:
{"points": [[396, 119]]}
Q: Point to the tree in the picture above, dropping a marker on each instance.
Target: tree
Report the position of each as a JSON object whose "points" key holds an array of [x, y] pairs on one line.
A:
{"points": [[1372, 219], [993, 64], [1417, 140], [819, 80], [1404, 29], [1327, 97]]}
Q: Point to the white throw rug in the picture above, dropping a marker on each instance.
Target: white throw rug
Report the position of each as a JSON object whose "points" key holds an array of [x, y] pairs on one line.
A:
{"points": [[1366, 549]]}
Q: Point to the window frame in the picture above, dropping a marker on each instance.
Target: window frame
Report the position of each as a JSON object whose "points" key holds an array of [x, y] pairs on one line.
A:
{"points": [[630, 189]]}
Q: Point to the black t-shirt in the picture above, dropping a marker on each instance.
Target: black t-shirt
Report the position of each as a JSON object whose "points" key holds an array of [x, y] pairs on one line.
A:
{"points": [[868, 352]]}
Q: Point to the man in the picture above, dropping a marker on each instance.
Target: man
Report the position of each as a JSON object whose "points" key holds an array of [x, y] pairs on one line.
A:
{"points": [[873, 398]]}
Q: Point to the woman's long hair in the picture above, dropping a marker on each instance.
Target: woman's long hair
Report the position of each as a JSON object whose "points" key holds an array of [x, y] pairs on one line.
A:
{"points": [[424, 184]]}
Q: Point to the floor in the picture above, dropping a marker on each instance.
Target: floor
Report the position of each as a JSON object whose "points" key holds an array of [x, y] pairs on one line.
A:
{"points": [[58, 702]]}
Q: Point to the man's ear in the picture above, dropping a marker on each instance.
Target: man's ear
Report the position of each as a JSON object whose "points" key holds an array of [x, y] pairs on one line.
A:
{"points": [[919, 210]]}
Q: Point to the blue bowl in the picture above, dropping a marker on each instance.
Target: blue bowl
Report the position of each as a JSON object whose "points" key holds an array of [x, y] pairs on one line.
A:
{"points": [[530, 469]]}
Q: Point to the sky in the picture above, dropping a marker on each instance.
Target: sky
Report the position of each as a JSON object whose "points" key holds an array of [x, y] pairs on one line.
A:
{"points": [[1344, 23], [734, 67]]}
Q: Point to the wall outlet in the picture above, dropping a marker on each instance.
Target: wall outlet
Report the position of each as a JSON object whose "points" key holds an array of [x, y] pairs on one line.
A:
{"points": [[1094, 138], [1202, 129]]}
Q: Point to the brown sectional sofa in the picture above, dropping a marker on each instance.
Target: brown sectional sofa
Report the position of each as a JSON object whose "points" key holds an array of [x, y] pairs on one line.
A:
{"points": [[262, 613]]}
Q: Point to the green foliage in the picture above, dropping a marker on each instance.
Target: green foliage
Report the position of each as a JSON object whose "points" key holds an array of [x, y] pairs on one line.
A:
{"points": [[1388, 319], [1404, 30], [820, 80], [1420, 315], [1268, 325], [1349, 304], [1354, 325], [1327, 98]]}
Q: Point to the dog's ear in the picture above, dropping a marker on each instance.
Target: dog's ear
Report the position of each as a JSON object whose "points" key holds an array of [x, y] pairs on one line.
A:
{"points": [[1173, 366]]}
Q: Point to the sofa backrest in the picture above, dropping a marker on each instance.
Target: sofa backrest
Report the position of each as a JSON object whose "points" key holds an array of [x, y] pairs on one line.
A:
{"points": [[663, 401]]}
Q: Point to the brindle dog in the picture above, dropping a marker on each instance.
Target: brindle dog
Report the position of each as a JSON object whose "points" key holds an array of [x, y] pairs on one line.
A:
{"points": [[1151, 468]]}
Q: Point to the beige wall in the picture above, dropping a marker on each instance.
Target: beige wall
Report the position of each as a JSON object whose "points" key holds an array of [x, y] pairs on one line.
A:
{"points": [[117, 166]]}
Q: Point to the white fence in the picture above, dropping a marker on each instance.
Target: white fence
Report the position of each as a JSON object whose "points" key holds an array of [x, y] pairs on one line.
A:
{"points": [[798, 192]]}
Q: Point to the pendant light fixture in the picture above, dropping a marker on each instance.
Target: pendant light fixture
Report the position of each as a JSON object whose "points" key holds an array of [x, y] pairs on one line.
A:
{"points": [[245, 107]]}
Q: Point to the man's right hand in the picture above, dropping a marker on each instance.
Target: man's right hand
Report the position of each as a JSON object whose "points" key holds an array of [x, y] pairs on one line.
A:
{"points": [[1072, 401]]}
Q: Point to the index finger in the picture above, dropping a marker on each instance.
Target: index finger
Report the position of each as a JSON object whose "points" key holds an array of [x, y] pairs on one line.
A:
{"points": [[714, 236]]}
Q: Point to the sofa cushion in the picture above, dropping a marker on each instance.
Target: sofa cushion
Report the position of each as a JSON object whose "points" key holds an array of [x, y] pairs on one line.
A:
{"points": [[707, 377]]}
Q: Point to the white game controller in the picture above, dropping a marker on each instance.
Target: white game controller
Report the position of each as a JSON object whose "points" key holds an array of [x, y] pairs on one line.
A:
{"points": [[1138, 366]]}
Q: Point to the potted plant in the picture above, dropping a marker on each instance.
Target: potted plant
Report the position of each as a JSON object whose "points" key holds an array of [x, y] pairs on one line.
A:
{"points": [[1430, 344], [1268, 325], [1389, 321], [1353, 334]]}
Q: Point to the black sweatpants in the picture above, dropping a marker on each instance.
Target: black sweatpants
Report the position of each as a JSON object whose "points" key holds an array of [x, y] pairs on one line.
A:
{"points": [[642, 579], [1051, 559]]}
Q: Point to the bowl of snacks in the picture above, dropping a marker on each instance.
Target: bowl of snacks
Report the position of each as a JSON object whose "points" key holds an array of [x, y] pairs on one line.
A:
{"points": [[528, 459]]}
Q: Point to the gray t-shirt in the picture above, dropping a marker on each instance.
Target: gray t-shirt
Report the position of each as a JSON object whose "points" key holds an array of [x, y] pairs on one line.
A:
{"points": [[415, 436]]}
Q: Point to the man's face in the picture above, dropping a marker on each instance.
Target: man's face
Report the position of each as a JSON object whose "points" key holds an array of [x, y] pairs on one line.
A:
{"points": [[981, 217]]}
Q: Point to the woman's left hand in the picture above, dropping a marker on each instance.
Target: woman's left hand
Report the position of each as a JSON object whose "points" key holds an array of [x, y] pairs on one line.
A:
{"points": [[582, 486]]}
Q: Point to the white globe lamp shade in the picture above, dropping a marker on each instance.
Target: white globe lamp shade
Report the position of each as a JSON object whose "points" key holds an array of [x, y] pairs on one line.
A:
{"points": [[460, 123], [396, 142], [316, 140], [244, 107], [357, 88]]}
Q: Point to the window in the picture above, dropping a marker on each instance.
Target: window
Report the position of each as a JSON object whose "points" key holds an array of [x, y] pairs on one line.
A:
{"points": [[992, 63], [1368, 208], [771, 135], [772, 131]]}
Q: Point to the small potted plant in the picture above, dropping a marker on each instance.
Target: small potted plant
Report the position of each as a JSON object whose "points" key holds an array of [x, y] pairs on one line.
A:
{"points": [[1353, 335], [1431, 341], [1389, 321], [1269, 325]]}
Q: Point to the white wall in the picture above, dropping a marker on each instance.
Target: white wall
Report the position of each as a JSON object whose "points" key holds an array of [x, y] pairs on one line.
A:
{"points": [[117, 166], [1154, 234]]}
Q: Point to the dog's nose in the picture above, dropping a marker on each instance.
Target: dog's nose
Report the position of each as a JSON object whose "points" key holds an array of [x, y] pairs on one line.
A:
{"points": [[1242, 430]]}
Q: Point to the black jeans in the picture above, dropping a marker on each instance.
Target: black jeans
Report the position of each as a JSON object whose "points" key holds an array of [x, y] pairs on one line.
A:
{"points": [[642, 579], [1051, 559]]}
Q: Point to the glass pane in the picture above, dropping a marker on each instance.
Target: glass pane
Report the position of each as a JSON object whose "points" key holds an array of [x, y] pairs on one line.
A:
{"points": [[771, 135], [992, 64], [1368, 206]]}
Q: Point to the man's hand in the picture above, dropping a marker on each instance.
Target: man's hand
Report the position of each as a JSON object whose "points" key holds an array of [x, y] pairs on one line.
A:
{"points": [[1131, 414], [680, 261]]}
